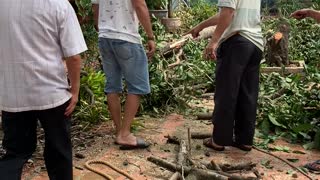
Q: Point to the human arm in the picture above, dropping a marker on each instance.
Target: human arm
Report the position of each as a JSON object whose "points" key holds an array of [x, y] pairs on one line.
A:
{"points": [[212, 21], [72, 43], [304, 13], [74, 68], [223, 22], [144, 18]]}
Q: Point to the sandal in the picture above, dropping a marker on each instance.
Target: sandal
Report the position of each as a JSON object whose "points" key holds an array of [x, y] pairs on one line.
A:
{"points": [[210, 144], [314, 166], [242, 146], [141, 144]]}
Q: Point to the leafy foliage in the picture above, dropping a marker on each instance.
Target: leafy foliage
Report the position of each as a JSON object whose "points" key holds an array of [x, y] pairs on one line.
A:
{"points": [[199, 12], [295, 110], [304, 40]]}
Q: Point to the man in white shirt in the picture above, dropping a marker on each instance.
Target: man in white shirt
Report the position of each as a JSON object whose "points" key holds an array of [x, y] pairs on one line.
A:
{"points": [[237, 45], [35, 36], [123, 56]]}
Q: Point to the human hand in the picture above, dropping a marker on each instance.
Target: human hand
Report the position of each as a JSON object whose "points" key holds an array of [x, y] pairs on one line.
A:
{"points": [[151, 48], [210, 52], [72, 104], [194, 32], [300, 14]]}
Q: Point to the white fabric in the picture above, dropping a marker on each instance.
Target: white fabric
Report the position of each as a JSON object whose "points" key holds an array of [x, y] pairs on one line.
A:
{"points": [[118, 20], [246, 20], [35, 35]]}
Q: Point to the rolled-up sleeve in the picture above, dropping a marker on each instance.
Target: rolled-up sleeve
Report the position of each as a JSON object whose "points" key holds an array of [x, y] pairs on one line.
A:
{"points": [[95, 1], [228, 3], [70, 34]]}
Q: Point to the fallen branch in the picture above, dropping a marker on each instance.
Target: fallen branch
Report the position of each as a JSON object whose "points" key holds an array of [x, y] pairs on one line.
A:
{"points": [[214, 166], [201, 174], [183, 153], [178, 61], [243, 166], [175, 176], [200, 135], [285, 161], [204, 116]]}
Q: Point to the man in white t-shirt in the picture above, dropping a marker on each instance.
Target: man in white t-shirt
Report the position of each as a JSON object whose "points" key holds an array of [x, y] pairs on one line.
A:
{"points": [[123, 56], [35, 36], [237, 45]]}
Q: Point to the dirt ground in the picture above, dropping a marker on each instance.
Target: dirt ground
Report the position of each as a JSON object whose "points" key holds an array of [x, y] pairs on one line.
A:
{"points": [[101, 147]]}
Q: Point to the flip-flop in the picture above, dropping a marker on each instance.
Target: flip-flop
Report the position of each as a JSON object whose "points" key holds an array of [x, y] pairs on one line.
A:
{"points": [[209, 143], [141, 144], [314, 166], [242, 147]]}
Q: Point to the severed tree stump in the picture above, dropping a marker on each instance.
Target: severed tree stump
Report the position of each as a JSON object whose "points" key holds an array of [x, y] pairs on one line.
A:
{"points": [[277, 46]]}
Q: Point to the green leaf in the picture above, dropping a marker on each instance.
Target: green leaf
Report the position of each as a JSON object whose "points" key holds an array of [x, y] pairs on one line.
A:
{"points": [[302, 127], [308, 146], [265, 126], [298, 152], [275, 122], [293, 160]]}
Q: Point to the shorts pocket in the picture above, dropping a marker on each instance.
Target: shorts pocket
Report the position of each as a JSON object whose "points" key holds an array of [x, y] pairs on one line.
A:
{"points": [[123, 50]]}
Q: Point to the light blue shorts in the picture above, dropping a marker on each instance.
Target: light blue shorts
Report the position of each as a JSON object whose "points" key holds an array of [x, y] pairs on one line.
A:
{"points": [[124, 60]]}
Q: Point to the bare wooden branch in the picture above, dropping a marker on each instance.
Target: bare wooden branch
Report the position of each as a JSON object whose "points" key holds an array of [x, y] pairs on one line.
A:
{"points": [[204, 116], [200, 135], [189, 142], [247, 166], [178, 60], [285, 161], [183, 153], [201, 174], [215, 166], [175, 176]]}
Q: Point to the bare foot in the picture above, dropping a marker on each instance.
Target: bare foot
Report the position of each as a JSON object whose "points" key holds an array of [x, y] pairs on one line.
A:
{"points": [[127, 140]]}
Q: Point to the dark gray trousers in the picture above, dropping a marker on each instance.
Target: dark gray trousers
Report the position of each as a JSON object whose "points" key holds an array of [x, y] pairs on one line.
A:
{"points": [[20, 140], [236, 94]]}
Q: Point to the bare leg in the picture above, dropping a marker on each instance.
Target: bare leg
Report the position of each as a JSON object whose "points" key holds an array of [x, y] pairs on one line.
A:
{"points": [[115, 110], [131, 108]]}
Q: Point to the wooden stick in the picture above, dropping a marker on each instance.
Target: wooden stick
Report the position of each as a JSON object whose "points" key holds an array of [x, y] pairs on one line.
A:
{"points": [[183, 152], [204, 116], [175, 176], [204, 174], [178, 61], [200, 135], [242, 166], [189, 142], [215, 166], [292, 166]]}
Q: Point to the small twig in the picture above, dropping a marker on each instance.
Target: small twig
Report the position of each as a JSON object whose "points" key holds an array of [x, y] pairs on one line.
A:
{"points": [[285, 161], [178, 61], [200, 135], [175, 176], [189, 142], [215, 166], [256, 172]]}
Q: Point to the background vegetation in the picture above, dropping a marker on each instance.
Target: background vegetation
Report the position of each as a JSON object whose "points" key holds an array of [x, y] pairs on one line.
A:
{"points": [[294, 112]]}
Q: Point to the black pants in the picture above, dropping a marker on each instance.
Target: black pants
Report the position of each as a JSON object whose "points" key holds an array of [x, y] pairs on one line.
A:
{"points": [[237, 86], [20, 140]]}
